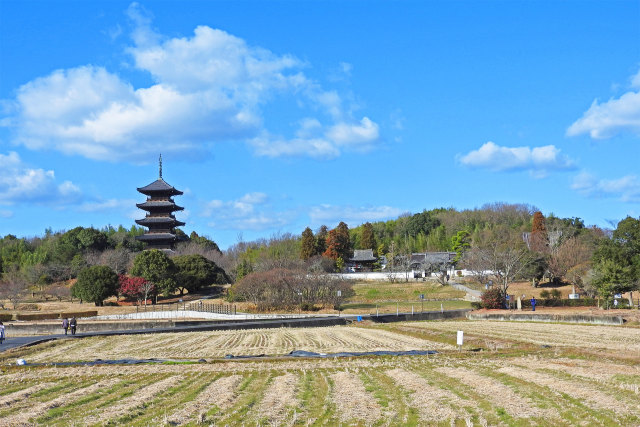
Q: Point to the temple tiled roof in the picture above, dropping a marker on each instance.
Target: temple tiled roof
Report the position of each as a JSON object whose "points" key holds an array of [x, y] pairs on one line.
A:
{"points": [[432, 258], [159, 186], [363, 255]]}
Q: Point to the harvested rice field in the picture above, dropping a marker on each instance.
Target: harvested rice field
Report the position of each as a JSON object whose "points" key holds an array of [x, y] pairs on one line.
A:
{"points": [[196, 345], [519, 384], [622, 340]]}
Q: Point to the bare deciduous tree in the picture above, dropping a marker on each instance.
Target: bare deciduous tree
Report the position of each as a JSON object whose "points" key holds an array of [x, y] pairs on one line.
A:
{"points": [[59, 291], [13, 287], [569, 254]]}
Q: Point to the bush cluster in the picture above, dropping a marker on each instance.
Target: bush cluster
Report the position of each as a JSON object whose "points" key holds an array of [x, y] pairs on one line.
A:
{"points": [[492, 298], [287, 289]]}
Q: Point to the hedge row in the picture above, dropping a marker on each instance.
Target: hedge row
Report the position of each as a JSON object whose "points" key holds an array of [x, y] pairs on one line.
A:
{"points": [[36, 316], [552, 302], [50, 316], [5, 317], [541, 302]]}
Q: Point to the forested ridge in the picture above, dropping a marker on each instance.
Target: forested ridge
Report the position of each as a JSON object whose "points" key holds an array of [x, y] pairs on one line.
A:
{"points": [[514, 241]]}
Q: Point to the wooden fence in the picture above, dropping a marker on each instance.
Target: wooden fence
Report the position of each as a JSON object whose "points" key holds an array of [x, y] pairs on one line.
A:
{"points": [[229, 309]]}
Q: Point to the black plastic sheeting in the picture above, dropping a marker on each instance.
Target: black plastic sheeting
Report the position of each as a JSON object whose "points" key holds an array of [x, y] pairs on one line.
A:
{"points": [[295, 353], [302, 353]]}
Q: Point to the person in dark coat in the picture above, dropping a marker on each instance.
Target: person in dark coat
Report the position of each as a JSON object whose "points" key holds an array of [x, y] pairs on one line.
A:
{"points": [[533, 303], [73, 325], [1, 332], [65, 325]]}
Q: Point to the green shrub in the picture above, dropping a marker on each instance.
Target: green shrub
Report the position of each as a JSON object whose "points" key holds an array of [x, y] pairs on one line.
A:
{"points": [[556, 294], [545, 294]]}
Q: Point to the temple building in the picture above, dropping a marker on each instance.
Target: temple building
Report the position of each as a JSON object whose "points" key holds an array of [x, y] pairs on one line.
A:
{"points": [[159, 219]]}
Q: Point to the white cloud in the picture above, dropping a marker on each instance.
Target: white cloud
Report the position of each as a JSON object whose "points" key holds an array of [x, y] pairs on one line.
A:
{"points": [[607, 119], [353, 216], [249, 212], [20, 183], [208, 88], [539, 161], [364, 133], [625, 189], [5, 214], [314, 141]]}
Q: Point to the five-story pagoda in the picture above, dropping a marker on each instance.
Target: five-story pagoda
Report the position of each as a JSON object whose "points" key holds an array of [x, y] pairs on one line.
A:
{"points": [[159, 219]]}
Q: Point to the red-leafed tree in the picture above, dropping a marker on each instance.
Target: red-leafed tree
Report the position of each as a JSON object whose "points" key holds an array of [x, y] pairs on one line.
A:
{"points": [[539, 240], [339, 243], [134, 287]]}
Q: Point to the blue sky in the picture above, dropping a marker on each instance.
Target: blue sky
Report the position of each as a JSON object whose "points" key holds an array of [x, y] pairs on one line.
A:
{"points": [[274, 116]]}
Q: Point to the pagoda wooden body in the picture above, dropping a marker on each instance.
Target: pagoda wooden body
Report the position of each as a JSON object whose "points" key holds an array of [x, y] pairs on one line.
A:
{"points": [[159, 219]]}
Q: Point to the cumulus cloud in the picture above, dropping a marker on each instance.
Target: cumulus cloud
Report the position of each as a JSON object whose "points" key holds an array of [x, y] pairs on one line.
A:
{"points": [[625, 189], [20, 183], [615, 116], [313, 140], [539, 161], [208, 88], [249, 212], [352, 215]]}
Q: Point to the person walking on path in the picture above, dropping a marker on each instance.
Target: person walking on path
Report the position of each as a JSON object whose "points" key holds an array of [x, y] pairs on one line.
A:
{"points": [[73, 325], [65, 325], [1, 332], [533, 303]]}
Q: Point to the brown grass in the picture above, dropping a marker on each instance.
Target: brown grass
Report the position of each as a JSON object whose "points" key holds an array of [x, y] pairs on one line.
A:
{"points": [[220, 393], [352, 400]]}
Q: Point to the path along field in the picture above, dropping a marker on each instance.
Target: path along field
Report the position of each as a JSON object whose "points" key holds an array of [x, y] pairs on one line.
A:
{"points": [[520, 384]]}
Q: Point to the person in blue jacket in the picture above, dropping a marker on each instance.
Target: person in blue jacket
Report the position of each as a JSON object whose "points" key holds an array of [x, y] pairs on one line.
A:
{"points": [[533, 303]]}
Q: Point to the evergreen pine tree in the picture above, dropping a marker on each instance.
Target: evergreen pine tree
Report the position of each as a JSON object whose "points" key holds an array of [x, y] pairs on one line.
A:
{"points": [[368, 239], [308, 247], [321, 240]]}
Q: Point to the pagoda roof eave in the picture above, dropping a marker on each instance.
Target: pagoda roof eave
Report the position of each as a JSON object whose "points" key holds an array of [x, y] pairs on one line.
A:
{"points": [[150, 205], [155, 237], [172, 222], [159, 187]]}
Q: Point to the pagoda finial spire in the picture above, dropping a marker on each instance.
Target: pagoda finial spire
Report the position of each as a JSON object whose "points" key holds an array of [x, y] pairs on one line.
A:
{"points": [[160, 163]]}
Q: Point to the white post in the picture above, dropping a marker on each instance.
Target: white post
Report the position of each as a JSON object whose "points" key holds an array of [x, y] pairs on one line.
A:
{"points": [[460, 340]]}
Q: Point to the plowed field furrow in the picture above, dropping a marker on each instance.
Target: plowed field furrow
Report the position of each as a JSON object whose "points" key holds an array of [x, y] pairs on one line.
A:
{"points": [[22, 394], [603, 371], [433, 403], [140, 397], [249, 392], [39, 409], [279, 399], [164, 403], [498, 394], [580, 336], [220, 393], [287, 341], [594, 397], [352, 401]]}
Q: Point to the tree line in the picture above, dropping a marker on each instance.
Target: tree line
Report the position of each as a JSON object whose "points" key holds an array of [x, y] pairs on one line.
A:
{"points": [[513, 241]]}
